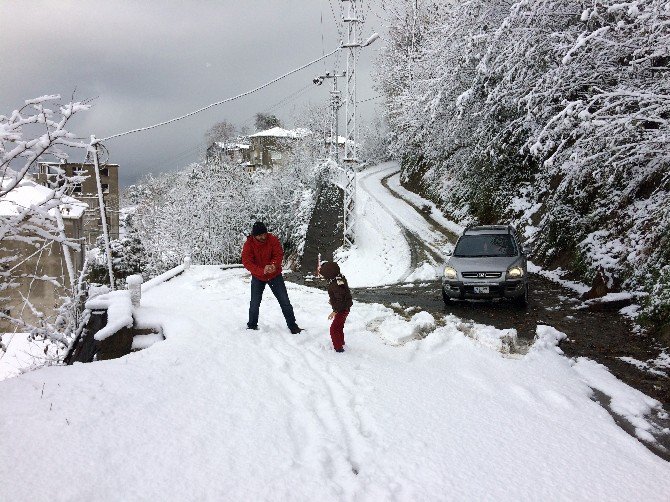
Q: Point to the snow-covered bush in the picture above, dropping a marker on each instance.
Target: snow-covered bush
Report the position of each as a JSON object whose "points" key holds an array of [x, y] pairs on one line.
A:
{"points": [[128, 258], [553, 114]]}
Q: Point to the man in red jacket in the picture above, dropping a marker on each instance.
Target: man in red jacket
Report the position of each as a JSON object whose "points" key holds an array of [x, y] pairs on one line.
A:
{"points": [[262, 255]]}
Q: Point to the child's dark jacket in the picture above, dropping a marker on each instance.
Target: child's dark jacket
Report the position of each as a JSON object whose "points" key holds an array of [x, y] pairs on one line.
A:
{"points": [[340, 296]]}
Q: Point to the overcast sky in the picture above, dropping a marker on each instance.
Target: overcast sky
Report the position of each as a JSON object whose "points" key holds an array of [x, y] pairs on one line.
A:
{"points": [[149, 61]]}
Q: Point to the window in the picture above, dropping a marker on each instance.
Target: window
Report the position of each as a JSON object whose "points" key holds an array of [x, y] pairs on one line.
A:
{"points": [[104, 171], [105, 188], [76, 188], [471, 246]]}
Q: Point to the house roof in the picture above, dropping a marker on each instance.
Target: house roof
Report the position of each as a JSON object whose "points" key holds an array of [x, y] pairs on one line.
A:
{"points": [[278, 132], [232, 146], [341, 140], [29, 193]]}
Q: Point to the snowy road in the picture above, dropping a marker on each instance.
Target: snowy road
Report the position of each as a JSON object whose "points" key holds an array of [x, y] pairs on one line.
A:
{"points": [[217, 412], [394, 241]]}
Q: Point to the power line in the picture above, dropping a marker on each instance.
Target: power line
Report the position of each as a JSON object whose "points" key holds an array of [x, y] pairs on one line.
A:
{"points": [[200, 147], [369, 99], [223, 101]]}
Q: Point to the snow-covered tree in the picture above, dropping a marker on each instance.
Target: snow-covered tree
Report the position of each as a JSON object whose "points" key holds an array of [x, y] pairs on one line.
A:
{"points": [[550, 113], [264, 121], [37, 132], [207, 209], [223, 132]]}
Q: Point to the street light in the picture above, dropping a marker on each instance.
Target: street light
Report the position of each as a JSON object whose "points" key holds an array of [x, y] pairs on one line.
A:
{"points": [[371, 39]]}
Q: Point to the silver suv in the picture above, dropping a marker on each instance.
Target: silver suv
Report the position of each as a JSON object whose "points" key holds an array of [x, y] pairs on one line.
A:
{"points": [[487, 262]]}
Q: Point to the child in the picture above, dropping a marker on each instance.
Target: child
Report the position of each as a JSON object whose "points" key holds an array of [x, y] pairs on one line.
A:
{"points": [[340, 300]]}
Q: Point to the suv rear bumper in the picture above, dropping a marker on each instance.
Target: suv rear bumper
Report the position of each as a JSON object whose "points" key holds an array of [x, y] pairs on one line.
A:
{"points": [[503, 289]]}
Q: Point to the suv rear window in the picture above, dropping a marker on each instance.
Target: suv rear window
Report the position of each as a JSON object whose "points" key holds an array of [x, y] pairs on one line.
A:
{"points": [[485, 245]]}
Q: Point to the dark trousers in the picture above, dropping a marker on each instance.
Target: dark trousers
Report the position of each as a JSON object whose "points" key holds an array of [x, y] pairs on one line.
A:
{"points": [[337, 329], [277, 287]]}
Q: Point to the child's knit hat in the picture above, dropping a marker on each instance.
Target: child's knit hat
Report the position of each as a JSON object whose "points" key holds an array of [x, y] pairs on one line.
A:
{"points": [[330, 270]]}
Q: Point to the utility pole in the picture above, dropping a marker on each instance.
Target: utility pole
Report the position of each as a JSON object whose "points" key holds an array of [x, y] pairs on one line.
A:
{"points": [[335, 105], [350, 160]]}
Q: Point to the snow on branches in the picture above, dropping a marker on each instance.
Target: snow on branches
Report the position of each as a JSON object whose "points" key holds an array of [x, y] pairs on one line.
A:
{"points": [[206, 210], [31, 216]]}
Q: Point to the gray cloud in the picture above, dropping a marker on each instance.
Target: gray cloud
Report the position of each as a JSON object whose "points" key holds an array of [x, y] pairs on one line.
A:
{"points": [[152, 60]]}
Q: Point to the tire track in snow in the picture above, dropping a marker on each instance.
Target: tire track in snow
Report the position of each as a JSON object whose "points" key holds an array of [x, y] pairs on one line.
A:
{"points": [[420, 251], [448, 235]]}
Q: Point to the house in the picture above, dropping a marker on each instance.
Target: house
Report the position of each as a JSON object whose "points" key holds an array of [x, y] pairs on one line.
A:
{"points": [[48, 175], [237, 153], [341, 142], [36, 262], [269, 148]]}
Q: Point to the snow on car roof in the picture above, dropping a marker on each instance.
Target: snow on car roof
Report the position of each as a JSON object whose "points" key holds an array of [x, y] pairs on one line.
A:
{"points": [[488, 229]]}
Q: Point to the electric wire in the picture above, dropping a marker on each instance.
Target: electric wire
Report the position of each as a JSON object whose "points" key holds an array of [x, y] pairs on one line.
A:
{"points": [[227, 100], [177, 159]]}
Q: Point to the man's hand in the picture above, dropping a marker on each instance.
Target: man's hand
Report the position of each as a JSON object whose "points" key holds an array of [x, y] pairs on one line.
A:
{"points": [[332, 314], [269, 269]]}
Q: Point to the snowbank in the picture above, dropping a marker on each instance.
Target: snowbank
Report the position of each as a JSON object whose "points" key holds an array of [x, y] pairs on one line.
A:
{"points": [[119, 311]]}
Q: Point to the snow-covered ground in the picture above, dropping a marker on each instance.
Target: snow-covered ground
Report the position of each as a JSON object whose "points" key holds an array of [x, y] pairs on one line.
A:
{"points": [[22, 354], [418, 409]]}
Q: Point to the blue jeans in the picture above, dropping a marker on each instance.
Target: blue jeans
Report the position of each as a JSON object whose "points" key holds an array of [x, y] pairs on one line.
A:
{"points": [[277, 287]]}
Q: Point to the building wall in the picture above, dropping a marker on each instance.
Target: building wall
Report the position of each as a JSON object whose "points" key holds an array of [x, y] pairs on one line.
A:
{"points": [[88, 192], [269, 152], [44, 295]]}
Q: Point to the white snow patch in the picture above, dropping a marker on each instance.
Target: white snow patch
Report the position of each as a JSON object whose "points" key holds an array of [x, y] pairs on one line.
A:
{"points": [[396, 330], [557, 276], [548, 338], [119, 312], [425, 272], [22, 354], [643, 366], [141, 342], [627, 402]]}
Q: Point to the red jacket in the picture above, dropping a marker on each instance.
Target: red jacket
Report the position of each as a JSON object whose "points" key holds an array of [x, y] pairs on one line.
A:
{"points": [[256, 255]]}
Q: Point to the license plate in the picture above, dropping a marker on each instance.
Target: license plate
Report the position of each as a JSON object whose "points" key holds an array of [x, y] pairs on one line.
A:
{"points": [[482, 289]]}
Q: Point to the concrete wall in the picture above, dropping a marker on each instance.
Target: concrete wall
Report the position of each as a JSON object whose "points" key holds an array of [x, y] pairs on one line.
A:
{"points": [[44, 295], [88, 192]]}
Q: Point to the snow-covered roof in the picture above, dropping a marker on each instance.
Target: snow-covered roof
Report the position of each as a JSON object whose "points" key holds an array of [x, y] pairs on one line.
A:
{"points": [[29, 193], [341, 140], [232, 146], [278, 132]]}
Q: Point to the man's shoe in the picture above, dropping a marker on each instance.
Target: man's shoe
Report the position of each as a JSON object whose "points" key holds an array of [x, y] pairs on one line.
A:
{"points": [[252, 327], [339, 350], [295, 330]]}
